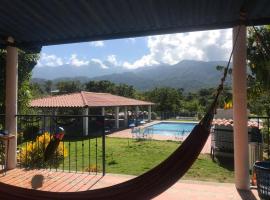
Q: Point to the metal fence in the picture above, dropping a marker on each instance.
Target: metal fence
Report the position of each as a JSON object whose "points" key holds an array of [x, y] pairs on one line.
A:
{"points": [[162, 115], [264, 123], [82, 148], [222, 137], [2, 121]]}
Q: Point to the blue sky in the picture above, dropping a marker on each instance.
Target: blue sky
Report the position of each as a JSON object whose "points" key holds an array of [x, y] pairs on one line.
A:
{"points": [[126, 49], [142, 51]]}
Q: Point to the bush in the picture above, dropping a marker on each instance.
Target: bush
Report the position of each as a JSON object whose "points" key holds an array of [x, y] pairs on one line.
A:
{"points": [[32, 153]]}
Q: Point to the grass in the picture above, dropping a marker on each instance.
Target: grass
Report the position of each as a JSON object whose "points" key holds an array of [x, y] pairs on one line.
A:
{"points": [[128, 156]]}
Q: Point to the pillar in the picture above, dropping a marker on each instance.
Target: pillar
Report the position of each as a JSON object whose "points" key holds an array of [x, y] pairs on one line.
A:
{"points": [[241, 163], [137, 111], [117, 117], [85, 121], [149, 113], [11, 102], [103, 113], [126, 116]]}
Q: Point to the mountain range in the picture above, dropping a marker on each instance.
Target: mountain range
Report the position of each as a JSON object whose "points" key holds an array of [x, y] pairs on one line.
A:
{"points": [[188, 74]]}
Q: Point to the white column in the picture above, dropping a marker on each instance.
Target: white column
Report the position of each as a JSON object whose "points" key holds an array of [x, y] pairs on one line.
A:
{"points": [[137, 111], [241, 163], [85, 121], [116, 117], [11, 102], [126, 116], [103, 113], [149, 113]]}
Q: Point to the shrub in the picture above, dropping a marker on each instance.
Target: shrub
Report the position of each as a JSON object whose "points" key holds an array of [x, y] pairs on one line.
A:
{"points": [[32, 153]]}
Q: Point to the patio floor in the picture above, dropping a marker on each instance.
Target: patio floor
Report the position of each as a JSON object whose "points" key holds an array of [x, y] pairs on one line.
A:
{"points": [[70, 182]]}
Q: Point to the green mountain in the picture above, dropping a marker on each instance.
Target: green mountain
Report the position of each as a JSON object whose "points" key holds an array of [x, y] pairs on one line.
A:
{"points": [[188, 74]]}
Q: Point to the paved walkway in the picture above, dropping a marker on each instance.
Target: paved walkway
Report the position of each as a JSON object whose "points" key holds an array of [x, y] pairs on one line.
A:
{"points": [[72, 182]]}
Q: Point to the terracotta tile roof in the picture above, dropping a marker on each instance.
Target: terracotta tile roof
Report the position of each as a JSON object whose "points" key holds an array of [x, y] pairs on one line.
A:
{"points": [[86, 99]]}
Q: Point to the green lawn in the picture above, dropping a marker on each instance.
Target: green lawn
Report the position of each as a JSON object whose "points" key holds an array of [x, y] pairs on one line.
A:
{"points": [[127, 156]]}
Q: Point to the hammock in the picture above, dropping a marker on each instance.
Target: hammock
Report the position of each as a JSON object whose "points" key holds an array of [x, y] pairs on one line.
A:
{"points": [[145, 186], [149, 184]]}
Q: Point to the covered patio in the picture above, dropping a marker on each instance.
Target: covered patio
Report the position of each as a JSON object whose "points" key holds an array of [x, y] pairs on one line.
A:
{"points": [[91, 100], [29, 25]]}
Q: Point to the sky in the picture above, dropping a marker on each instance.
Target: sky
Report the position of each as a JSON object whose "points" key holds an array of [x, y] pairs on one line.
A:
{"points": [[132, 53]]}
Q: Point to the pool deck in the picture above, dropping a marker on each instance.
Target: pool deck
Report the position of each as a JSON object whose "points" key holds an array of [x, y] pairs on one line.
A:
{"points": [[127, 134]]}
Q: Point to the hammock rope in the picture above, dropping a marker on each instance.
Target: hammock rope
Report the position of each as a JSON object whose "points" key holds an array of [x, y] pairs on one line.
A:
{"points": [[147, 185]]}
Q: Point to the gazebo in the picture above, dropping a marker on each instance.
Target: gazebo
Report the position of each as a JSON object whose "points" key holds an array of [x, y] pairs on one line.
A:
{"points": [[88, 100], [29, 25]]}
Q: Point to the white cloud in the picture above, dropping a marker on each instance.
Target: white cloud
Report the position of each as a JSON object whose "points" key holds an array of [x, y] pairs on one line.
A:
{"points": [[76, 62], [144, 61], [95, 60], [97, 44], [172, 48], [49, 60], [112, 59]]}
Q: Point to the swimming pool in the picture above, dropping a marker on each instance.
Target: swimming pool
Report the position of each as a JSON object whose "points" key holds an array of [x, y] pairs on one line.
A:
{"points": [[171, 128]]}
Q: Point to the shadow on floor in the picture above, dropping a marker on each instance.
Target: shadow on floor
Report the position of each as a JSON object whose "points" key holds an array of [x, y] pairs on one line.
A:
{"points": [[225, 162], [99, 179], [37, 181], [246, 195]]}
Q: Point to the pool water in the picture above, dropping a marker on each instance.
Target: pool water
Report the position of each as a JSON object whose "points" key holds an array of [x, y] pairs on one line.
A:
{"points": [[172, 128]]}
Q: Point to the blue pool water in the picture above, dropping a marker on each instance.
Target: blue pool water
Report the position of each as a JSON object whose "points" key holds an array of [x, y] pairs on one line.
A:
{"points": [[172, 128]]}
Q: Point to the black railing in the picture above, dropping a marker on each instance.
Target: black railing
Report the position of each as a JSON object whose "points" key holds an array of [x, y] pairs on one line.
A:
{"points": [[264, 124], [222, 139], [2, 121], [81, 150], [163, 115], [2, 145]]}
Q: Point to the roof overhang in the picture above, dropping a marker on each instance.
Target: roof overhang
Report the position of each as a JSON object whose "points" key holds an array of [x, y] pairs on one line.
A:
{"points": [[86, 99], [37, 23]]}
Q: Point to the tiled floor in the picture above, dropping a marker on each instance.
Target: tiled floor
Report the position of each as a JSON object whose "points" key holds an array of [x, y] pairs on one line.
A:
{"points": [[64, 181]]}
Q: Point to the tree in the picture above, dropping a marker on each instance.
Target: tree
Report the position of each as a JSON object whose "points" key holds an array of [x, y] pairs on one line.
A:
{"points": [[100, 86], [66, 87], [26, 62], [167, 99], [48, 86], [258, 54], [110, 87], [125, 90]]}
